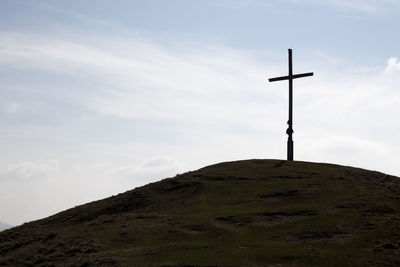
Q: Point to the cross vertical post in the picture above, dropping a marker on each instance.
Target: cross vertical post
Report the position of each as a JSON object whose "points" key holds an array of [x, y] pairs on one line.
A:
{"points": [[289, 131], [290, 77]]}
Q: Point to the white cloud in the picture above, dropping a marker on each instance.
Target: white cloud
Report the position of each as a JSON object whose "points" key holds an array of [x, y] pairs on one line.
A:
{"points": [[108, 105], [214, 90], [145, 81], [22, 171], [393, 65]]}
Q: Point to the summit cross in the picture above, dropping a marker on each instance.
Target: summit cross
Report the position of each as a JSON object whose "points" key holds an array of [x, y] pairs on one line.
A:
{"points": [[290, 77]]}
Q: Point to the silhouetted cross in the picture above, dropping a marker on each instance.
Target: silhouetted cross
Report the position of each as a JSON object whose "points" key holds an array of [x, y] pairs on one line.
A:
{"points": [[290, 77]]}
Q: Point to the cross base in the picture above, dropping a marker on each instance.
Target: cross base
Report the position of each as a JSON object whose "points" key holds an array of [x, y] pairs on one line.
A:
{"points": [[290, 150]]}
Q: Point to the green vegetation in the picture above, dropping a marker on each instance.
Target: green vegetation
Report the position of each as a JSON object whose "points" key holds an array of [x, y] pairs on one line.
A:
{"points": [[244, 213]]}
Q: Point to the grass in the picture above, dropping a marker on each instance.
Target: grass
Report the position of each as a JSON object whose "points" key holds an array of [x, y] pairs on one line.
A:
{"points": [[243, 213]]}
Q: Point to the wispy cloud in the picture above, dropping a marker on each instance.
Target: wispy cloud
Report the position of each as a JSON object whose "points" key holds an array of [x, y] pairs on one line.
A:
{"points": [[210, 89], [108, 108], [107, 111], [368, 7], [144, 81], [358, 6], [23, 171]]}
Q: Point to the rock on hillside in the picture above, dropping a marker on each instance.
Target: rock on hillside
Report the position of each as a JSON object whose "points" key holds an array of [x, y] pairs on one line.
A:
{"points": [[243, 213]]}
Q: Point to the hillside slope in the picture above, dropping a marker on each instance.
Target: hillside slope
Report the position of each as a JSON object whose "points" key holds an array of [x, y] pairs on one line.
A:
{"points": [[243, 213]]}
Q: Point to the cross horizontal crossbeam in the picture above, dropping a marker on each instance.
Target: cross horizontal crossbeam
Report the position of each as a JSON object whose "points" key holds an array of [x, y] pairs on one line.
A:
{"points": [[291, 77]]}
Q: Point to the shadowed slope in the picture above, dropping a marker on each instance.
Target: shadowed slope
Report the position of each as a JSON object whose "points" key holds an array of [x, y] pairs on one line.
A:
{"points": [[246, 213]]}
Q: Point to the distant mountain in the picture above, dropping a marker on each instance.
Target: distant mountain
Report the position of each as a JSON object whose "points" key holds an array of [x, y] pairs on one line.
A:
{"points": [[243, 213], [4, 226]]}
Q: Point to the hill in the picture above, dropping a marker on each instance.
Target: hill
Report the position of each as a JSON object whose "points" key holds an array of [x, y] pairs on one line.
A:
{"points": [[243, 213]]}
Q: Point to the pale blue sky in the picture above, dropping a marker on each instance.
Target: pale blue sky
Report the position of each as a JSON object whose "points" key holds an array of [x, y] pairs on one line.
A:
{"points": [[98, 97], [363, 30]]}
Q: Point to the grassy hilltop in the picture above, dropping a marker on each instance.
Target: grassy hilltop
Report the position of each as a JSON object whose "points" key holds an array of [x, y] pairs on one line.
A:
{"points": [[244, 213]]}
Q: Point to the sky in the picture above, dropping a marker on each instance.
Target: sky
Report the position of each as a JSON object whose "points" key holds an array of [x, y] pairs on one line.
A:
{"points": [[100, 97]]}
